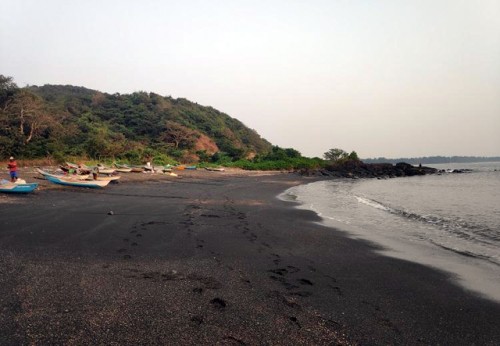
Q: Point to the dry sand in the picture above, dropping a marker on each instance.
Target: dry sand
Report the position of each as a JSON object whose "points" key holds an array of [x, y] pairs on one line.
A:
{"points": [[211, 258]]}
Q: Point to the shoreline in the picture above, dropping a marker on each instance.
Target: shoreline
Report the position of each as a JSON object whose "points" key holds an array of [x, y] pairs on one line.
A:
{"points": [[213, 258], [479, 276]]}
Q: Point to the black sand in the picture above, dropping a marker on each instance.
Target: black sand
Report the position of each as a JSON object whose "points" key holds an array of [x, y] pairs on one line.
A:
{"points": [[211, 259]]}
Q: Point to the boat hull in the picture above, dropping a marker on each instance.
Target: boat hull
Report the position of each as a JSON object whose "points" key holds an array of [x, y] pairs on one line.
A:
{"points": [[18, 188], [78, 183]]}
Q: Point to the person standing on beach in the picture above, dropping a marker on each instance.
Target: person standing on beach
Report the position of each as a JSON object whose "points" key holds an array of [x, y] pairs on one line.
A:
{"points": [[95, 172], [12, 166]]}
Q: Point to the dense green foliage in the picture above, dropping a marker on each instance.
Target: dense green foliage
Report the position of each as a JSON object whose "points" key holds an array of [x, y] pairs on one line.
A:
{"points": [[279, 159], [68, 121], [339, 156], [72, 123]]}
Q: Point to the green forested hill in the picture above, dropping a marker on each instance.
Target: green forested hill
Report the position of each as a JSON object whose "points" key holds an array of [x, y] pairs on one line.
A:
{"points": [[59, 121]]}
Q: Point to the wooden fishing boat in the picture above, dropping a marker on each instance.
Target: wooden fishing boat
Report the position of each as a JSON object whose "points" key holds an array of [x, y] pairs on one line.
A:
{"points": [[9, 187], [75, 171], [123, 169], [109, 178], [126, 168], [215, 169], [105, 170], [69, 181], [72, 165]]}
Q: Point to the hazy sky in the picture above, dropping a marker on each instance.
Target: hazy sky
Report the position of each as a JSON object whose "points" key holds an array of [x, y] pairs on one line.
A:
{"points": [[384, 78]]}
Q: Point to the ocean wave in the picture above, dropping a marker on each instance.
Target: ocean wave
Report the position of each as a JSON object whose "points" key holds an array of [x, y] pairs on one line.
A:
{"points": [[467, 253], [454, 227], [373, 204]]}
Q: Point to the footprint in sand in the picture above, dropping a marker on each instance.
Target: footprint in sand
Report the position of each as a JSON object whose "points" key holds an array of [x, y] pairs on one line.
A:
{"points": [[301, 294], [198, 290], [279, 271], [276, 258], [305, 282], [218, 303], [294, 320], [197, 319], [233, 340]]}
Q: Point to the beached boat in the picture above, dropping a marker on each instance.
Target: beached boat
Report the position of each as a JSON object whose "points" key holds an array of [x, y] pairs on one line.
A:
{"points": [[126, 168], [123, 169], [215, 169], [69, 169], [105, 170], [183, 167], [109, 178], [72, 165], [68, 181], [9, 187]]}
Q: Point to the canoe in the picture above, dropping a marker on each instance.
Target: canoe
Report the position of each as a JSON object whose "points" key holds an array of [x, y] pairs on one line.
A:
{"points": [[123, 170], [108, 178], [215, 169], [67, 181], [8, 187], [183, 167], [75, 169], [105, 170]]}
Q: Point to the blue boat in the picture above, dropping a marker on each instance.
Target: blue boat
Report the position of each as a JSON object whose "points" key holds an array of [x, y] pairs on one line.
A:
{"points": [[8, 187]]}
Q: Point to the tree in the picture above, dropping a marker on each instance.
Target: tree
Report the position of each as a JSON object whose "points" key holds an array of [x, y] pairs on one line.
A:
{"points": [[7, 90], [353, 156], [27, 115], [179, 135], [335, 155]]}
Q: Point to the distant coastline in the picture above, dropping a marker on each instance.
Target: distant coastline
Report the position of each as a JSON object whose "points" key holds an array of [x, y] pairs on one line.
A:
{"points": [[435, 159]]}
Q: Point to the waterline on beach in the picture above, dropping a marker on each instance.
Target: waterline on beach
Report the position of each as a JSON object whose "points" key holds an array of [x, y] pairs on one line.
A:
{"points": [[465, 246]]}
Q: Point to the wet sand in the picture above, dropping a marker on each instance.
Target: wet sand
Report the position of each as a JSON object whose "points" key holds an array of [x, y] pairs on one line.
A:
{"points": [[212, 258]]}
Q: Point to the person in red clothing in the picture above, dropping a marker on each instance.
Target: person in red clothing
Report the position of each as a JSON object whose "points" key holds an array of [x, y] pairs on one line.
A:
{"points": [[12, 166]]}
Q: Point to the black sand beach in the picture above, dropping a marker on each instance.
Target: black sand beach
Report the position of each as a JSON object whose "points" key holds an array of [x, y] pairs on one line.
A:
{"points": [[212, 258]]}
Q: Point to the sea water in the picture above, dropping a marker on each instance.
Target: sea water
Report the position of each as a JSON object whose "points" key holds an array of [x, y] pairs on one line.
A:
{"points": [[450, 221]]}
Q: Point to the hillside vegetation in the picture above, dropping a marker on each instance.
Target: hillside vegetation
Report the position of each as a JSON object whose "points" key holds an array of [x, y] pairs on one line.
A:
{"points": [[67, 121]]}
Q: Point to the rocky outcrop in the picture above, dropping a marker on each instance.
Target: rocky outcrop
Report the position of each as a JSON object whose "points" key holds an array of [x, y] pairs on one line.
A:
{"points": [[358, 169]]}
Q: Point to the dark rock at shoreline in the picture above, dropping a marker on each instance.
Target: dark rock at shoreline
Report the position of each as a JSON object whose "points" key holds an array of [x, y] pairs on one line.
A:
{"points": [[359, 169]]}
